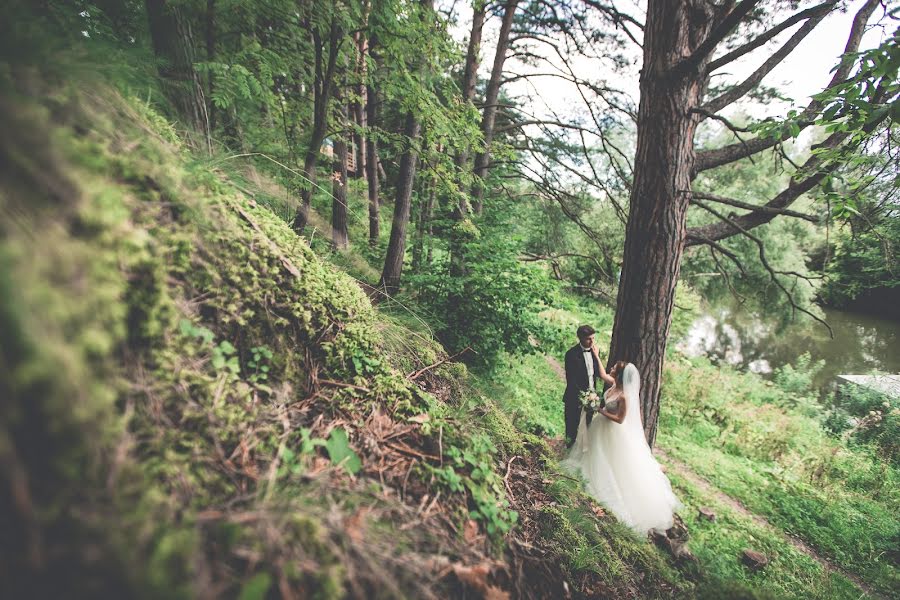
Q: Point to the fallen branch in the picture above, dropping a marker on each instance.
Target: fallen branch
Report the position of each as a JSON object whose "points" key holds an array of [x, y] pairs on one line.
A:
{"points": [[404, 449], [506, 477], [416, 374], [343, 384]]}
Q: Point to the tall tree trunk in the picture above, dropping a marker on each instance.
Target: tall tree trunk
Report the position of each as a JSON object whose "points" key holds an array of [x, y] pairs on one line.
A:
{"points": [[372, 168], [655, 232], [173, 43], [372, 158], [393, 261], [492, 94], [339, 235], [359, 105], [323, 88], [210, 57], [470, 76], [423, 223]]}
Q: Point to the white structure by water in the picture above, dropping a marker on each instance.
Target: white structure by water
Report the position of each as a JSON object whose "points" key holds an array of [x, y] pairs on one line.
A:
{"points": [[888, 385]]}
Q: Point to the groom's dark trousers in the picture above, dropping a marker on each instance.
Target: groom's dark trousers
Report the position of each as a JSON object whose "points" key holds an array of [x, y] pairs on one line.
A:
{"points": [[576, 382]]}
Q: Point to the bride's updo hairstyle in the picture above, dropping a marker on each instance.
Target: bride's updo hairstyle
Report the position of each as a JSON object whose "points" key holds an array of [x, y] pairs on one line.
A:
{"points": [[617, 370]]}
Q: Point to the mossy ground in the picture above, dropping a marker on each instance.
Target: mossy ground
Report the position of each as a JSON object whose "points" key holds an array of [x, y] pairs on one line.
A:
{"points": [[182, 371]]}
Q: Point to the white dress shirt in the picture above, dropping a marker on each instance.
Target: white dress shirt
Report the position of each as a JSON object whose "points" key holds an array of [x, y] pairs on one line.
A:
{"points": [[589, 363]]}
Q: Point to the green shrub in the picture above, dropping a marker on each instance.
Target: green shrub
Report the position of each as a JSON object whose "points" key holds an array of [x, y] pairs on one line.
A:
{"points": [[493, 307]]}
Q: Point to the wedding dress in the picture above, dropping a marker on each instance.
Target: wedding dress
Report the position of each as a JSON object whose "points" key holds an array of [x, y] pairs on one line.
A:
{"points": [[618, 468]]}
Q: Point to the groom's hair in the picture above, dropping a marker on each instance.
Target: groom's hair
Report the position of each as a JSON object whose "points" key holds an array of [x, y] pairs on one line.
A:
{"points": [[584, 331]]}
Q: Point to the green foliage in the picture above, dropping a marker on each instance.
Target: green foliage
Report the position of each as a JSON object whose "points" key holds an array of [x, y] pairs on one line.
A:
{"points": [[222, 354], [603, 547], [730, 428], [787, 243], [529, 393], [718, 547], [864, 266], [260, 356], [340, 452], [145, 333], [796, 381], [492, 307], [475, 458], [256, 587], [872, 418]]}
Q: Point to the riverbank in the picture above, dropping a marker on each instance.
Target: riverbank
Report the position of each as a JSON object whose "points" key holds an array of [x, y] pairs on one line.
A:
{"points": [[750, 439], [734, 335]]}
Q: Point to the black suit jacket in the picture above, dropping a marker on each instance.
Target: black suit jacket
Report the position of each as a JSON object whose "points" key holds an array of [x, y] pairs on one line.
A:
{"points": [[576, 374]]}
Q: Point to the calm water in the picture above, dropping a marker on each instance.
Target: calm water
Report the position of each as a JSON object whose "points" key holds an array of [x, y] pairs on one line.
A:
{"points": [[734, 335]]}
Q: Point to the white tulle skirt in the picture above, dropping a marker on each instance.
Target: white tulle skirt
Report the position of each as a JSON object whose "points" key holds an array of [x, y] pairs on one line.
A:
{"points": [[621, 473]]}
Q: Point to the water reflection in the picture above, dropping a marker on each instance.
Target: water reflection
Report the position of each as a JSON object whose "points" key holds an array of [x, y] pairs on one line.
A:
{"points": [[734, 335]]}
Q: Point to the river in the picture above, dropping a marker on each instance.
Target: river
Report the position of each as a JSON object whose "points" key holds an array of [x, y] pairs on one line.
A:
{"points": [[729, 333]]}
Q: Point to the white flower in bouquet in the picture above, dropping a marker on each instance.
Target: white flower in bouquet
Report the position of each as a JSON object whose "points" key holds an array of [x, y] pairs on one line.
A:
{"points": [[591, 399]]}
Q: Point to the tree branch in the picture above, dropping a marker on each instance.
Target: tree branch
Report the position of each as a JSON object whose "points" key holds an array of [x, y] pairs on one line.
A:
{"points": [[738, 91], [754, 207], [768, 35], [710, 159], [723, 250], [715, 37], [814, 165], [765, 262], [532, 257]]}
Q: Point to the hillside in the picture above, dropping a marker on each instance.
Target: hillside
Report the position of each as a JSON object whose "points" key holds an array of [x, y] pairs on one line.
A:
{"points": [[200, 406]]}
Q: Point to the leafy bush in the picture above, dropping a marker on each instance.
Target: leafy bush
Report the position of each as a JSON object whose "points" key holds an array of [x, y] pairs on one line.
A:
{"points": [[872, 418], [492, 307], [796, 381], [471, 468]]}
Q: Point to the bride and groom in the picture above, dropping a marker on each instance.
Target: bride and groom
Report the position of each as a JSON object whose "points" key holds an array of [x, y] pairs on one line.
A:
{"points": [[607, 445]]}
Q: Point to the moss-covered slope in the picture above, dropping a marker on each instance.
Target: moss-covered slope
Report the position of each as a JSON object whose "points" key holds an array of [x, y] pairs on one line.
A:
{"points": [[195, 405]]}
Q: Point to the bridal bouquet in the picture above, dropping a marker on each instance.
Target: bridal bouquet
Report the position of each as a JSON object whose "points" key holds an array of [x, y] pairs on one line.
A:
{"points": [[591, 400]]}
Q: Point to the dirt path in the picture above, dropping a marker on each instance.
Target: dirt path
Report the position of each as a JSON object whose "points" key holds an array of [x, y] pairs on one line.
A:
{"points": [[706, 487], [698, 480], [556, 366]]}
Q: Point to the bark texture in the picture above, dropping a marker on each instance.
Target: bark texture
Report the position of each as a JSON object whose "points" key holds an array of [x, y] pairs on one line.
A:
{"points": [[470, 76], [372, 160], [393, 262], [339, 235], [396, 251], [173, 43], [492, 93], [359, 105], [655, 232], [323, 88]]}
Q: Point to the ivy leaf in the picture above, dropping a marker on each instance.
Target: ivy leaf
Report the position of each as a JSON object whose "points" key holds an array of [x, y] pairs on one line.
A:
{"points": [[340, 452]]}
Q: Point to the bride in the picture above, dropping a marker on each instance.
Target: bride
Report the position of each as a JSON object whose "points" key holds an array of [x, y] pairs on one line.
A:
{"points": [[615, 460]]}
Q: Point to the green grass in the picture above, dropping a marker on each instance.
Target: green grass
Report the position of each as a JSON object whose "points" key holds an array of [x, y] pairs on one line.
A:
{"points": [[740, 433], [530, 392], [840, 499], [718, 546]]}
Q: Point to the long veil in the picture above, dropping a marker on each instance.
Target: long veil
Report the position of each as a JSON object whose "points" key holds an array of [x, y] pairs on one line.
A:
{"points": [[631, 385], [619, 468]]}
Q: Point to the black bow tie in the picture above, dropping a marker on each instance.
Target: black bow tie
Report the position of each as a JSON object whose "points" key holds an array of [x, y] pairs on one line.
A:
{"points": [[586, 351]]}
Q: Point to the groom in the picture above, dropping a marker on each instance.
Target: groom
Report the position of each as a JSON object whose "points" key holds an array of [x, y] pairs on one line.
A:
{"points": [[583, 368]]}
